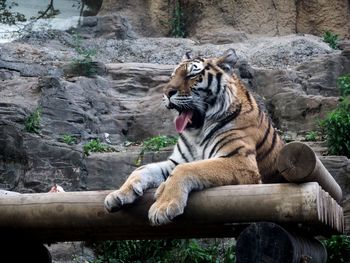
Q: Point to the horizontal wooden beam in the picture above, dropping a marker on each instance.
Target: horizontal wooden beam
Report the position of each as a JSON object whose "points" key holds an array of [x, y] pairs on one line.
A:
{"points": [[214, 212]]}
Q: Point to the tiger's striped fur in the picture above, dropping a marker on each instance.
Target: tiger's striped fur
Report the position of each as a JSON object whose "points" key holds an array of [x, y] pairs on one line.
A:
{"points": [[225, 138]]}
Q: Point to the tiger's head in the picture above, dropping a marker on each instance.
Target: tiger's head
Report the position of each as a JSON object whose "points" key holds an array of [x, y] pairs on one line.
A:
{"points": [[198, 89]]}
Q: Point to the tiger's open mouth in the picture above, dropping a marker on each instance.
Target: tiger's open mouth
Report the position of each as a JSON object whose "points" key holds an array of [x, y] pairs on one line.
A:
{"points": [[188, 119], [183, 120]]}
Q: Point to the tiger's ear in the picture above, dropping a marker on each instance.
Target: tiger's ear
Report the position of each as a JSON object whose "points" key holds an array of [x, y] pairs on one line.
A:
{"points": [[187, 56], [227, 61]]}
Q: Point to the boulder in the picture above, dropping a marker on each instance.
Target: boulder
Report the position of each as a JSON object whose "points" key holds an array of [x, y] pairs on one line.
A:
{"points": [[30, 163], [71, 252], [109, 26], [319, 75], [141, 109], [302, 94], [110, 170], [148, 18], [122, 106]]}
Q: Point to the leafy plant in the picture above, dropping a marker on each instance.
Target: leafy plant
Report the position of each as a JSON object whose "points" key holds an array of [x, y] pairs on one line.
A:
{"points": [[95, 145], [229, 254], [68, 139], [32, 122], [167, 251], [336, 127], [192, 251], [331, 39], [343, 83], [338, 249], [177, 21], [83, 65], [155, 144], [131, 250], [311, 136], [158, 142]]}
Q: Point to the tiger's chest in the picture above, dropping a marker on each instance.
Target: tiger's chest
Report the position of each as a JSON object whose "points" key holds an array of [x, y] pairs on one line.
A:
{"points": [[196, 146]]}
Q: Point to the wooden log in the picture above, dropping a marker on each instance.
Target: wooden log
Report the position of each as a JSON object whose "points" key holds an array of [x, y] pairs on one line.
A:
{"points": [[214, 212], [269, 242], [298, 163]]}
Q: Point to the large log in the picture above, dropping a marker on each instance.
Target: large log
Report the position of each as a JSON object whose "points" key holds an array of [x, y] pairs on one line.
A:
{"points": [[298, 163], [269, 242], [210, 213]]}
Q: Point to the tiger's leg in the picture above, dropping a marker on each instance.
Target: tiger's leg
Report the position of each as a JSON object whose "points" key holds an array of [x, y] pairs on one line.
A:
{"points": [[171, 196], [147, 176]]}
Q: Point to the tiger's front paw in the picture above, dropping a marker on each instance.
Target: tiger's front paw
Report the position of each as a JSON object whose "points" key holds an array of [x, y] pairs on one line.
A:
{"points": [[127, 194], [170, 203], [115, 200], [162, 213]]}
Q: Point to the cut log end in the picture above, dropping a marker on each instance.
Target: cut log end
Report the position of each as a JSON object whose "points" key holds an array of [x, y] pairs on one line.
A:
{"points": [[296, 161], [269, 242]]}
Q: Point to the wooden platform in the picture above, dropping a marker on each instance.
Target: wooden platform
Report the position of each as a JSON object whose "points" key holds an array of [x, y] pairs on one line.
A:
{"points": [[215, 212]]}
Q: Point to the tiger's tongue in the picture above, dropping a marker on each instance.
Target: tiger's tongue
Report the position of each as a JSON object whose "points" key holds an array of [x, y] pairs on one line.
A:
{"points": [[182, 120]]}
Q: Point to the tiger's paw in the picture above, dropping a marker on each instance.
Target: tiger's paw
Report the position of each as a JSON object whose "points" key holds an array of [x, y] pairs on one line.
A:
{"points": [[162, 213], [127, 194], [115, 200], [159, 190]]}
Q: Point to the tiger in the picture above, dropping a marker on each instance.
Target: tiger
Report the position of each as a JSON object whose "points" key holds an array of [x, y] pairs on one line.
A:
{"points": [[225, 138]]}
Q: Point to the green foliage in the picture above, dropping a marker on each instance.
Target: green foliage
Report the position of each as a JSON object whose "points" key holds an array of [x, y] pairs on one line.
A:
{"points": [[177, 21], [192, 251], [331, 39], [158, 142], [32, 122], [229, 254], [311, 136], [336, 128], [336, 125], [83, 65], [167, 251], [9, 17], [343, 84], [338, 249], [68, 139], [95, 145], [155, 144], [131, 250]]}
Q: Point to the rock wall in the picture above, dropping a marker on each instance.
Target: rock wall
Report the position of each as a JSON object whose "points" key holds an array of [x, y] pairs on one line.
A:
{"points": [[272, 17], [317, 16], [295, 76]]}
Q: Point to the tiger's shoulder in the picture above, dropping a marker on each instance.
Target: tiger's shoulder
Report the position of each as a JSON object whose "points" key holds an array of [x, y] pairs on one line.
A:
{"points": [[256, 124]]}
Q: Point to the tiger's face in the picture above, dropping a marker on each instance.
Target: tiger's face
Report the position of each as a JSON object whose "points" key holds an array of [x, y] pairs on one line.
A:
{"points": [[197, 89]]}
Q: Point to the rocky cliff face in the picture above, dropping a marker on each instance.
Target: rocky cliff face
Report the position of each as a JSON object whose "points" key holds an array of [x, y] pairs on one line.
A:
{"points": [[273, 17]]}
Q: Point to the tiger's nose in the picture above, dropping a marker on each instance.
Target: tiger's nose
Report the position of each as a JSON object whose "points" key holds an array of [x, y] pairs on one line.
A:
{"points": [[171, 92]]}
